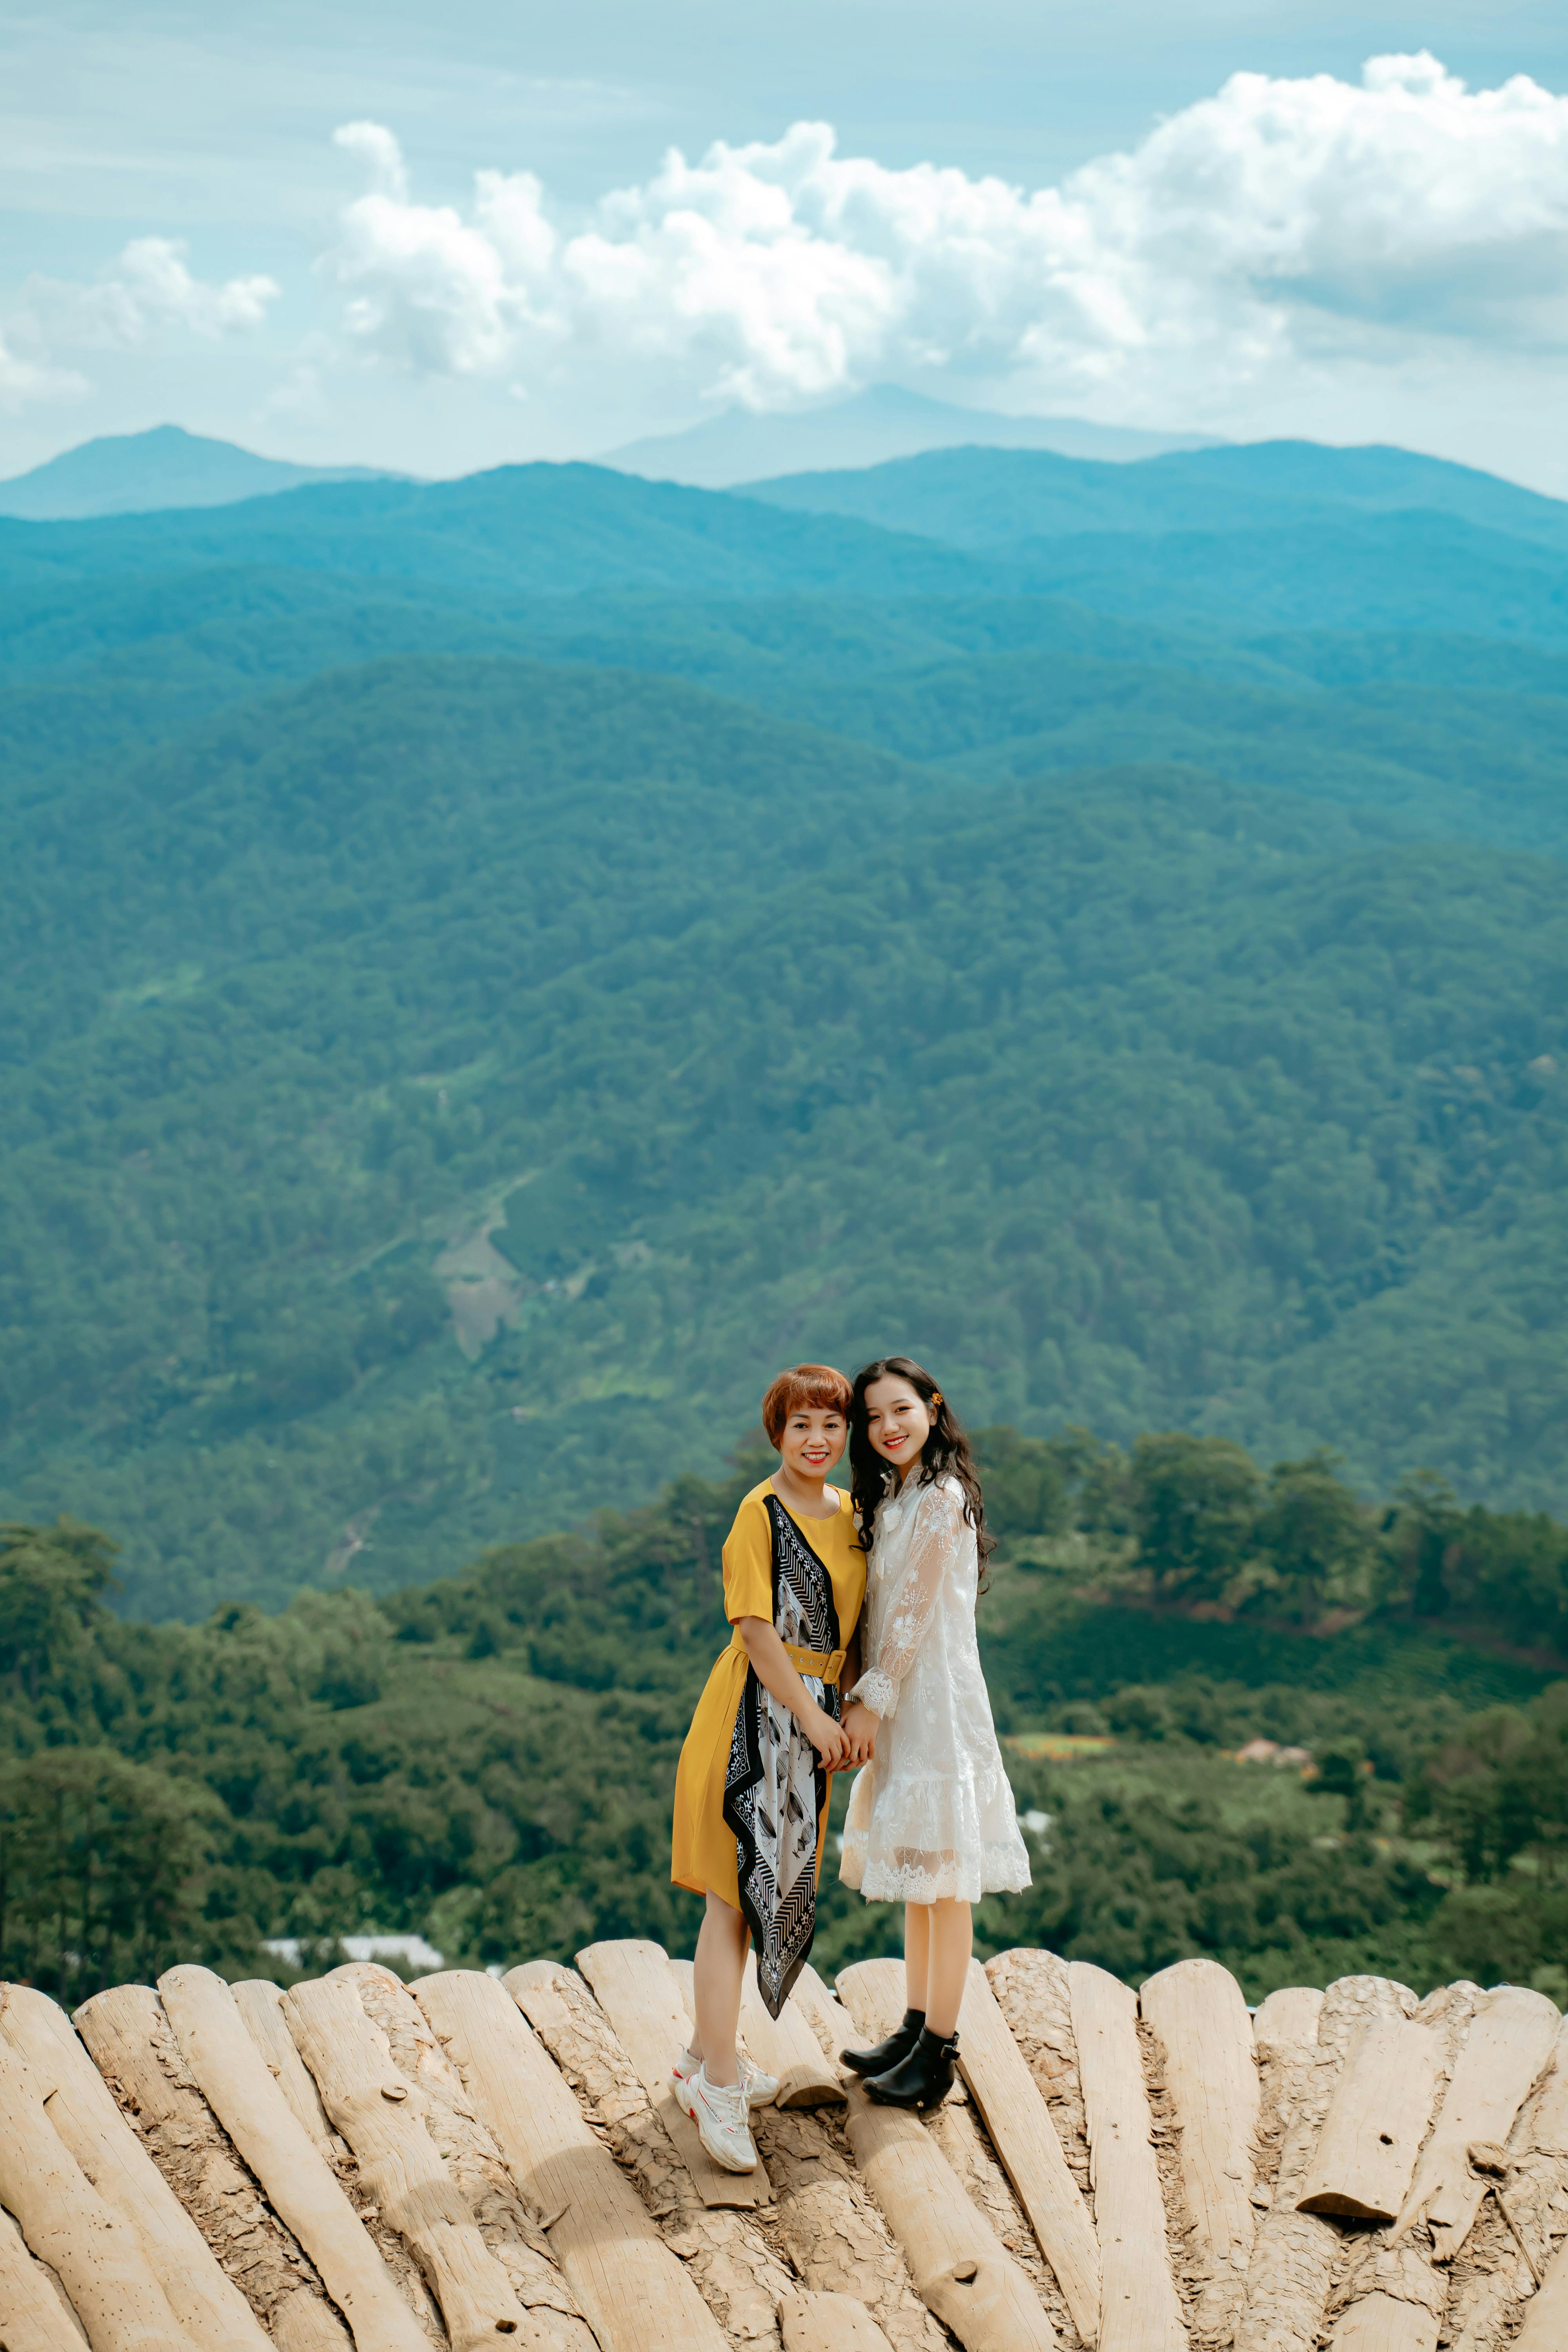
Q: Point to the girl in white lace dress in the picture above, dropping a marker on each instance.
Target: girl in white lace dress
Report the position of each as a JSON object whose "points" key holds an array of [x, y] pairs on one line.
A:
{"points": [[931, 1821]]}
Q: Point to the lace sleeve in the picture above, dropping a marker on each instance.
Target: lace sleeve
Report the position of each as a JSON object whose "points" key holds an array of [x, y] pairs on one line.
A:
{"points": [[933, 1548]]}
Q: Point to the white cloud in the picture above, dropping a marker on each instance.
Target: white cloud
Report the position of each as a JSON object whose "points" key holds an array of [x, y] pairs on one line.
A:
{"points": [[24, 379], [1279, 228], [149, 291]]}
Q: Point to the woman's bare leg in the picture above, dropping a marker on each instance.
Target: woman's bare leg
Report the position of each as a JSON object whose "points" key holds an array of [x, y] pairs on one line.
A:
{"points": [[917, 1953], [951, 1939], [717, 1981]]}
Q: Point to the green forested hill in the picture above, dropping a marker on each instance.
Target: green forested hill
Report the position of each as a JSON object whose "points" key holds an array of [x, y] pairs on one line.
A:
{"points": [[488, 1760], [619, 1012], [541, 529], [993, 497], [490, 969]]}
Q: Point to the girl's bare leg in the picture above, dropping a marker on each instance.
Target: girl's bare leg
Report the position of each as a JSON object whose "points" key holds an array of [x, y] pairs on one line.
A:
{"points": [[717, 1981], [917, 1953], [951, 1941]]}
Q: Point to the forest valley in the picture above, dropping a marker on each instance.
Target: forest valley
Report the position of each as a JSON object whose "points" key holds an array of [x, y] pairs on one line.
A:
{"points": [[488, 1759]]}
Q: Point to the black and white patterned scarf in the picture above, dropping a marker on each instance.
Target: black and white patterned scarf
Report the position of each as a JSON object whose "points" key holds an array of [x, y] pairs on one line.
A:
{"points": [[775, 1788]]}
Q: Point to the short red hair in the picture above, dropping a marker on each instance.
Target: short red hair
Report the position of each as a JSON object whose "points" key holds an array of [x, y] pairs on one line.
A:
{"points": [[813, 1384]]}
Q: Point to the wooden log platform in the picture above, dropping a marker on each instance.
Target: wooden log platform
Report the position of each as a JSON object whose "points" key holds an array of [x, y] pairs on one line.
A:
{"points": [[634, 1985], [34, 2312], [261, 2006], [960, 2269], [202, 2168], [635, 2291], [373, 2107], [1365, 2157], [1508, 2045], [211, 2309], [95, 2253], [1199, 2019], [1021, 2131], [300, 2186], [1139, 2310]]}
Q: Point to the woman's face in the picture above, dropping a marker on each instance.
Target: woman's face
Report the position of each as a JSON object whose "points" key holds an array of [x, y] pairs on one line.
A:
{"points": [[897, 1420], [812, 1440]]}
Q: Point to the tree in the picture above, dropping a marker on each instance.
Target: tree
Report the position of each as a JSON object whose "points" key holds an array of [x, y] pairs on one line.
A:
{"points": [[50, 1580], [1025, 1492], [97, 1863], [1317, 1536], [1419, 1536], [1194, 1508]]}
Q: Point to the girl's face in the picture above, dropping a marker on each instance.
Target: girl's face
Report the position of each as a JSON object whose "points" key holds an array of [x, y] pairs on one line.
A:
{"points": [[897, 1420], [813, 1440]]}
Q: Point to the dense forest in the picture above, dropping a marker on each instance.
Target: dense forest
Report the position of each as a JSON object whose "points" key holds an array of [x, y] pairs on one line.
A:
{"points": [[478, 959], [489, 1760]]}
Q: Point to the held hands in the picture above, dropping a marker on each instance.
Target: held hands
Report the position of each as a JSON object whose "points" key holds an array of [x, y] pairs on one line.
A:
{"points": [[828, 1738], [861, 1728]]}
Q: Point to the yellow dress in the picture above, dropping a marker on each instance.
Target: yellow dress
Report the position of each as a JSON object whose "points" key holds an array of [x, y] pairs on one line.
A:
{"points": [[761, 1556]]}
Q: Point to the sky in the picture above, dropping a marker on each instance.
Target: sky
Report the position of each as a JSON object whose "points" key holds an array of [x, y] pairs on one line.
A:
{"points": [[447, 238]]}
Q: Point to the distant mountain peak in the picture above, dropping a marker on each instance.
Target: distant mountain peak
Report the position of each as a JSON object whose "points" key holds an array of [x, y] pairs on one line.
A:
{"points": [[139, 473], [868, 428]]}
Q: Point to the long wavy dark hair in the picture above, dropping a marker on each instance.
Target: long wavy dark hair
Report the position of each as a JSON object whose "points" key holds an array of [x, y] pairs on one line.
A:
{"points": [[945, 1453]]}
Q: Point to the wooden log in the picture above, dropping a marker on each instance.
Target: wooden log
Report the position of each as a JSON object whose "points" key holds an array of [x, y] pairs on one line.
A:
{"points": [[1294, 2254], [1508, 2045], [1376, 2274], [785, 2047], [260, 2005], [828, 2018], [828, 2323], [300, 2186], [479, 2171], [1290, 2014], [957, 2134], [1548, 2117], [1198, 2014], [307, 2324], [736, 2269], [211, 2309], [632, 1985], [960, 2267], [873, 1992], [1034, 1993], [1544, 2327], [1494, 2279], [1386, 2323], [829, 2226], [1019, 2124], [135, 2051], [1139, 2310], [34, 2316], [93, 2250], [636, 2295], [1382, 2103], [371, 2105]]}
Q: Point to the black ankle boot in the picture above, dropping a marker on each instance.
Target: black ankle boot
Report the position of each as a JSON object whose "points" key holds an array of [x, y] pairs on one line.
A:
{"points": [[923, 2079], [897, 2046]]}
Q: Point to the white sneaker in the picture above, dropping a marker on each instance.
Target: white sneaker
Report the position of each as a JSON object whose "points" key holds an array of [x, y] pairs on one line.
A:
{"points": [[720, 2113], [762, 2089]]}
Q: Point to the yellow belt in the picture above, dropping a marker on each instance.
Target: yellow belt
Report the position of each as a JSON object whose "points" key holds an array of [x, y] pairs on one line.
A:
{"points": [[825, 1664]]}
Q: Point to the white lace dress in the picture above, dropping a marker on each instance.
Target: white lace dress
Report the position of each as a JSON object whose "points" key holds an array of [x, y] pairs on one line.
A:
{"points": [[932, 1817]]}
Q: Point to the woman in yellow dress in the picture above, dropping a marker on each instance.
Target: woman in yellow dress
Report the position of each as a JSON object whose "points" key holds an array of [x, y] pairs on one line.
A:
{"points": [[751, 1795]]}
